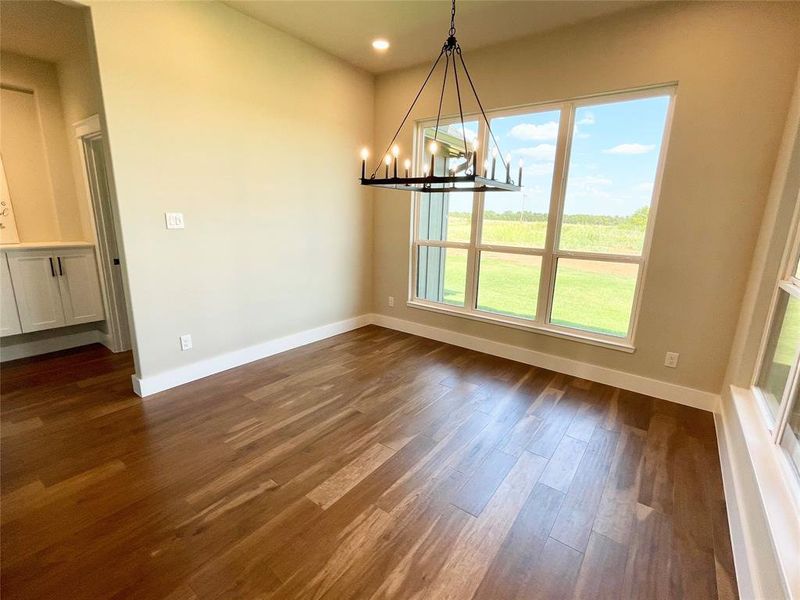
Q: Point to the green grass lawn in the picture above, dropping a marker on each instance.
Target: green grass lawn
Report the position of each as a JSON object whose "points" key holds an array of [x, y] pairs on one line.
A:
{"points": [[588, 299], [590, 295], [781, 356]]}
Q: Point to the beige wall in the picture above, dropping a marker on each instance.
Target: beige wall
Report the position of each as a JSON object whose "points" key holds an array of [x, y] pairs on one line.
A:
{"points": [[36, 151], [80, 98], [735, 65], [781, 204], [251, 134]]}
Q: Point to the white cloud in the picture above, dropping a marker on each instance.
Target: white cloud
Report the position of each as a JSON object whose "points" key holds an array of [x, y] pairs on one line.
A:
{"points": [[645, 186], [589, 188], [588, 119], [538, 169], [542, 152], [530, 131], [629, 149], [592, 180]]}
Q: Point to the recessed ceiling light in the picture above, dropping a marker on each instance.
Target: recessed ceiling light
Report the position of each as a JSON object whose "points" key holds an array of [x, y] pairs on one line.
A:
{"points": [[380, 44]]}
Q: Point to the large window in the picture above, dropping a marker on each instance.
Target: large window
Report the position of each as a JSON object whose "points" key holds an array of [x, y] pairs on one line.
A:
{"points": [[566, 255], [777, 381]]}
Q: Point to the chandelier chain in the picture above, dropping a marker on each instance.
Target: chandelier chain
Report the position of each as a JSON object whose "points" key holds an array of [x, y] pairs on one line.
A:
{"points": [[441, 96], [483, 112], [450, 49], [408, 112], [461, 111]]}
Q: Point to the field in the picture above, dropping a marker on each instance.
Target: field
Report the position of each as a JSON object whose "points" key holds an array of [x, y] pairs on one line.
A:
{"points": [[781, 352], [610, 239], [591, 295]]}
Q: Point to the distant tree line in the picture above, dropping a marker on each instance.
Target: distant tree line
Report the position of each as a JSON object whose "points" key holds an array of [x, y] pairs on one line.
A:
{"points": [[637, 220]]}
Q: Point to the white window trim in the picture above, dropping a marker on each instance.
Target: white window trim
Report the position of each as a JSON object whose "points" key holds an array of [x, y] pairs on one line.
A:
{"points": [[776, 481], [549, 254], [776, 422]]}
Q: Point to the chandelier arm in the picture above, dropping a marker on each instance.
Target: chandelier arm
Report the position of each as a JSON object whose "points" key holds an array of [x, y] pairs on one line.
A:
{"points": [[441, 96], [460, 109], [483, 112], [403, 122]]}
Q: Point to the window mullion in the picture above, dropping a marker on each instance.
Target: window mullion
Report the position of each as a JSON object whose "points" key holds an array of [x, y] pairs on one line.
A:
{"points": [[473, 256], [472, 253], [599, 256], [547, 280]]}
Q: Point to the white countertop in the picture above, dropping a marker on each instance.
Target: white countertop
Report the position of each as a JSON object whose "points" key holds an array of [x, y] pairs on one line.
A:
{"points": [[38, 245]]}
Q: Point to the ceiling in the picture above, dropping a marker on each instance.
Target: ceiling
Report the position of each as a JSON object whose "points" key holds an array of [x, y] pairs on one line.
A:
{"points": [[45, 30], [416, 29]]}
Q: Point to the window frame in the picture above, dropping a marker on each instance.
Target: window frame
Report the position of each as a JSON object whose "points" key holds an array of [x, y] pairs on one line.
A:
{"points": [[549, 253], [787, 283]]}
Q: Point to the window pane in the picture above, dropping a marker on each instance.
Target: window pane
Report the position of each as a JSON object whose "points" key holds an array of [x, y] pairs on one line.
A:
{"points": [[520, 218], [508, 284], [781, 349], [791, 436], [442, 274], [612, 170], [594, 295], [447, 216]]}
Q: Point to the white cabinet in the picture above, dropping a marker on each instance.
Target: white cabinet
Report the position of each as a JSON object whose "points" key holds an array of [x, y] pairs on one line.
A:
{"points": [[54, 287], [80, 286], [36, 289], [9, 317]]}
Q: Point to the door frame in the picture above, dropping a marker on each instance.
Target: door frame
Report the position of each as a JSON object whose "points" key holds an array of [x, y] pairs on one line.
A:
{"points": [[119, 334]]}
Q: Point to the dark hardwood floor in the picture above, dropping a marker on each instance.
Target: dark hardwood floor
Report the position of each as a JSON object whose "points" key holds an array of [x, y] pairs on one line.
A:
{"points": [[370, 465]]}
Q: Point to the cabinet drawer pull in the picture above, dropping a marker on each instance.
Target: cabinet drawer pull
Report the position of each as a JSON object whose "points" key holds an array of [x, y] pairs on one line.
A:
{"points": [[52, 268], [60, 268]]}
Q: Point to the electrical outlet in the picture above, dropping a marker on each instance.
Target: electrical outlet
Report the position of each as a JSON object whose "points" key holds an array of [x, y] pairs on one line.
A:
{"points": [[671, 360], [174, 220], [186, 342], [391, 301]]}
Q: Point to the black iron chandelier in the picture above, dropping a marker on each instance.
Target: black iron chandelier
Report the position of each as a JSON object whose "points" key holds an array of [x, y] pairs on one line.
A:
{"points": [[465, 178]]}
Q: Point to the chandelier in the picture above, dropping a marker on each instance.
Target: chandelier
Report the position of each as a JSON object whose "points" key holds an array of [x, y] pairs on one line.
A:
{"points": [[466, 177]]}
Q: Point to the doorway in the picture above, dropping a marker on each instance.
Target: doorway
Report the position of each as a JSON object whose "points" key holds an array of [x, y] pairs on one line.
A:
{"points": [[89, 135]]}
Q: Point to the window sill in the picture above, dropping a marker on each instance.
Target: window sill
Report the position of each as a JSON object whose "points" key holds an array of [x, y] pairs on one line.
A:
{"points": [[550, 330], [776, 482]]}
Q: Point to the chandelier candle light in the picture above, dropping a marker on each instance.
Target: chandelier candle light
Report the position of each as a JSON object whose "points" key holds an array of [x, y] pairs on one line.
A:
{"points": [[469, 180]]}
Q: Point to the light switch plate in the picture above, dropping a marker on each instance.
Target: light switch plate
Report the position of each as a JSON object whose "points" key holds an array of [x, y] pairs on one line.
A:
{"points": [[671, 360], [186, 342], [174, 220]]}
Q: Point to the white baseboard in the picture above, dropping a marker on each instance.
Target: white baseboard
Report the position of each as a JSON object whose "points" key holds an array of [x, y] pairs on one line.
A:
{"points": [[52, 344], [159, 382], [651, 387], [635, 383], [739, 530]]}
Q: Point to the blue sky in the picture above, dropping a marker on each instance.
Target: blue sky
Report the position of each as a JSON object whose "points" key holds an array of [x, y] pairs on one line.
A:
{"points": [[613, 160]]}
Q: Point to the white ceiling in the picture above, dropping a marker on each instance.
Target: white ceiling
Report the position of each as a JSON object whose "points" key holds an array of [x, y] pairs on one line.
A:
{"points": [[416, 29]]}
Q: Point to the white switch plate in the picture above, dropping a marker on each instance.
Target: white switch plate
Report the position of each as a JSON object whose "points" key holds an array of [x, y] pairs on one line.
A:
{"points": [[671, 360], [186, 342], [391, 300], [174, 220]]}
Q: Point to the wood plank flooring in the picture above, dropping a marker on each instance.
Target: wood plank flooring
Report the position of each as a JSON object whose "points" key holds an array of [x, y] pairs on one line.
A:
{"points": [[373, 464]]}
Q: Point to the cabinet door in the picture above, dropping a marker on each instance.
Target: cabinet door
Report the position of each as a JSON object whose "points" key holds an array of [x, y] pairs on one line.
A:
{"points": [[9, 317], [36, 289], [80, 285]]}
